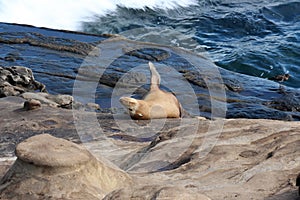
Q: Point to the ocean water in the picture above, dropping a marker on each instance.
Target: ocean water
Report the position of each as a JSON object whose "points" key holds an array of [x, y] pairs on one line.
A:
{"points": [[260, 38]]}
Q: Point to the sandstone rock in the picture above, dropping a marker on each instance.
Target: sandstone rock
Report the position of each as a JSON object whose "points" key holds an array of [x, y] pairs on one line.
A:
{"points": [[64, 101], [32, 104], [17, 80], [40, 96], [60, 100], [49, 167], [250, 159]]}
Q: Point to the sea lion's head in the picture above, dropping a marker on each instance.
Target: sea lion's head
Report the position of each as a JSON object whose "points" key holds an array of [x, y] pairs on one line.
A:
{"points": [[136, 108]]}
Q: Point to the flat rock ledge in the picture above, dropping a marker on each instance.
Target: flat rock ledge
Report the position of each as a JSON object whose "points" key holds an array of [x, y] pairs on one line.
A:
{"points": [[252, 158], [53, 168]]}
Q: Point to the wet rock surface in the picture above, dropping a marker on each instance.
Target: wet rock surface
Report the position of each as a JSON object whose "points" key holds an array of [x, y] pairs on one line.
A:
{"points": [[39, 40], [251, 158], [59, 58]]}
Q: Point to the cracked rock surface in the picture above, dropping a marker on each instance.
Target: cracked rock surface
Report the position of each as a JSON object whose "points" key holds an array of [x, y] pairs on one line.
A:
{"points": [[249, 159]]}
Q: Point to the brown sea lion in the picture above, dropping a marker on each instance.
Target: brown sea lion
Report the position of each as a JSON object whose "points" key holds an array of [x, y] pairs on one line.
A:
{"points": [[156, 104]]}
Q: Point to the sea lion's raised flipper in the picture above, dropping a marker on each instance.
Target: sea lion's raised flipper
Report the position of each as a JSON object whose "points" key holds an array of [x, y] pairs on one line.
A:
{"points": [[167, 103], [155, 77]]}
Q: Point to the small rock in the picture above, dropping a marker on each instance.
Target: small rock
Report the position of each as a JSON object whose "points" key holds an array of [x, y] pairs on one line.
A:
{"points": [[201, 118], [32, 104], [93, 106], [64, 101], [40, 96]]}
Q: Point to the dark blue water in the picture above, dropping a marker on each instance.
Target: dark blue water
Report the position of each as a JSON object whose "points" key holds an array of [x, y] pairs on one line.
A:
{"points": [[259, 38]]}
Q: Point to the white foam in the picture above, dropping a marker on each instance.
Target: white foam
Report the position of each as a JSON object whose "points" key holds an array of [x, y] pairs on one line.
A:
{"points": [[68, 14]]}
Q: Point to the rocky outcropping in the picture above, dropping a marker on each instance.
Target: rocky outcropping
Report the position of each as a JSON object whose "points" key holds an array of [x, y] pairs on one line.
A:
{"points": [[17, 80], [250, 159], [60, 100], [53, 168]]}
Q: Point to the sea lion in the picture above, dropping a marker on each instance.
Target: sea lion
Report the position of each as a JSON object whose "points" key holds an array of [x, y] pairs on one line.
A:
{"points": [[156, 103]]}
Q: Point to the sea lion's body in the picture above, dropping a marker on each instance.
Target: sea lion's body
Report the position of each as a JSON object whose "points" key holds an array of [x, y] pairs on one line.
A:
{"points": [[156, 104]]}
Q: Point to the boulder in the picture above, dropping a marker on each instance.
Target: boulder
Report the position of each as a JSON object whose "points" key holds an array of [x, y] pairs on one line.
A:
{"points": [[32, 104], [50, 167]]}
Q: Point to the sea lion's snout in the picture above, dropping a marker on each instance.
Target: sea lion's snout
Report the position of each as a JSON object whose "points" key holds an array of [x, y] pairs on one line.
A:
{"points": [[130, 103]]}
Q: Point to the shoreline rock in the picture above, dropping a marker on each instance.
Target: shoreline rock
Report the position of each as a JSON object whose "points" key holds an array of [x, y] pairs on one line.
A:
{"points": [[257, 159], [56, 57], [49, 167], [60, 100], [17, 80]]}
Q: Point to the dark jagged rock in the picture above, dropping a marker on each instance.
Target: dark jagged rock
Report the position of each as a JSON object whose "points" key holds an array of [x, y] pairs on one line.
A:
{"points": [[17, 80]]}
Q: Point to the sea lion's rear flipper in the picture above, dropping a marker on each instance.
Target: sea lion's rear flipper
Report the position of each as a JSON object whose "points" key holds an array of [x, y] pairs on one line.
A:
{"points": [[155, 77]]}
